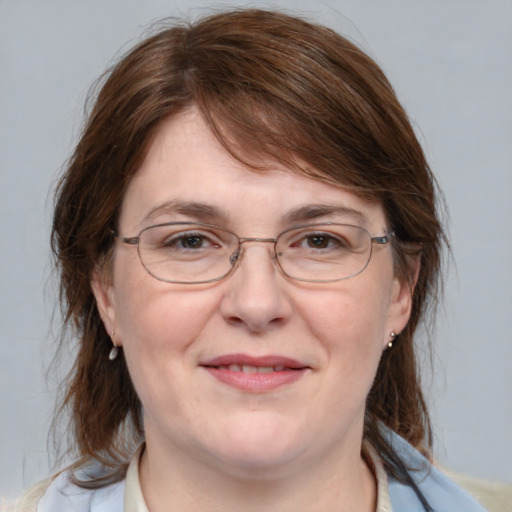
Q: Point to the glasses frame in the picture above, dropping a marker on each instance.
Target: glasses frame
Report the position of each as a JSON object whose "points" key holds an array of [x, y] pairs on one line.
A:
{"points": [[236, 256]]}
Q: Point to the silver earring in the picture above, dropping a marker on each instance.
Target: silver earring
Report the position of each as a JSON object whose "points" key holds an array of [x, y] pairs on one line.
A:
{"points": [[393, 336], [114, 350]]}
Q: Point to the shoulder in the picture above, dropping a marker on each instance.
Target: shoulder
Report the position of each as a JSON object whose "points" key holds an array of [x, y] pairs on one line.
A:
{"points": [[495, 496], [60, 493], [444, 491], [28, 502]]}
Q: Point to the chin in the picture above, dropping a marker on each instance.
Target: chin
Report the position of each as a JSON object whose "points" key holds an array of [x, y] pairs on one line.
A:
{"points": [[262, 464], [259, 445]]}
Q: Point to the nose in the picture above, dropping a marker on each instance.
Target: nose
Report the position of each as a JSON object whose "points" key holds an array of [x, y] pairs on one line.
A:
{"points": [[255, 297]]}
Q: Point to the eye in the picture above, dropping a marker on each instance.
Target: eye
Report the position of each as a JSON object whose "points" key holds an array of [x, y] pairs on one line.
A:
{"points": [[319, 240], [190, 241]]}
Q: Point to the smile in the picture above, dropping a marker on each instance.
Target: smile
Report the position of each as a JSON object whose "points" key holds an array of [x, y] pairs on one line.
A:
{"points": [[246, 368], [255, 375]]}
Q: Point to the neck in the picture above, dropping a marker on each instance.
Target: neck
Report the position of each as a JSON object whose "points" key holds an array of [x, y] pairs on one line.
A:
{"points": [[341, 483]]}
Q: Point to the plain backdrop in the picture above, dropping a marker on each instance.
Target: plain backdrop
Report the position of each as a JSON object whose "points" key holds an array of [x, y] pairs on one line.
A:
{"points": [[451, 64]]}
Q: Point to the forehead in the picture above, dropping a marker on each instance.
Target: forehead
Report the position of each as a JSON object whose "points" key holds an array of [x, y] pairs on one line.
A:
{"points": [[188, 173]]}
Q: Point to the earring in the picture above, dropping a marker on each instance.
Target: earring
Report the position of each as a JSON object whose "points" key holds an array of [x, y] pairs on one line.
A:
{"points": [[393, 336], [115, 349]]}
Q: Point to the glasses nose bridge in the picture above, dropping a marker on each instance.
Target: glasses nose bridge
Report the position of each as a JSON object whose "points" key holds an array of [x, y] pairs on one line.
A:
{"points": [[264, 240], [236, 256]]}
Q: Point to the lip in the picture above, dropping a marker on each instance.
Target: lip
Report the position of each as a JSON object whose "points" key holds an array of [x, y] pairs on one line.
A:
{"points": [[257, 376]]}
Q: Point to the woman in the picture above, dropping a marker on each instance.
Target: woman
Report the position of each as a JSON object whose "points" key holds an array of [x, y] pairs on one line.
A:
{"points": [[247, 240]]}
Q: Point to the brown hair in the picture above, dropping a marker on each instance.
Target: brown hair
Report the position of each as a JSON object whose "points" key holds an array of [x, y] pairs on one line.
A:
{"points": [[268, 85]]}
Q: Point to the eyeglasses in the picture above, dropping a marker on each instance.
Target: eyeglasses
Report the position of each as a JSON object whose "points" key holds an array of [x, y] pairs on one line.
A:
{"points": [[195, 253]]}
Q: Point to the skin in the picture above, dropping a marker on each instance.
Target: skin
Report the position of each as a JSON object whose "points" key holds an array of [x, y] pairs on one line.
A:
{"points": [[210, 445]]}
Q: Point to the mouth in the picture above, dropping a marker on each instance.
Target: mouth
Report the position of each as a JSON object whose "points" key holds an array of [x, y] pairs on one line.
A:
{"points": [[250, 364], [247, 368], [255, 374]]}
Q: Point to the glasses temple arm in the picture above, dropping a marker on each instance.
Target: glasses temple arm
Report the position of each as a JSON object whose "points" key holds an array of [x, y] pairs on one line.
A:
{"points": [[134, 240]]}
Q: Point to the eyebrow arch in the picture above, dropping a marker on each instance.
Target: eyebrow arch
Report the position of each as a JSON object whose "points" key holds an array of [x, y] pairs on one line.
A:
{"points": [[208, 213], [200, 211], [315, 211]]}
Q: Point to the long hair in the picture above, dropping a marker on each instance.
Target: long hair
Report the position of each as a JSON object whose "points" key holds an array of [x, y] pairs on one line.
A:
{"points": [[268, 85]]}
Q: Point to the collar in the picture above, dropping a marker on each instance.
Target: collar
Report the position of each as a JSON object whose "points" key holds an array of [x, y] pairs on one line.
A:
{"points": [[133, 497]]}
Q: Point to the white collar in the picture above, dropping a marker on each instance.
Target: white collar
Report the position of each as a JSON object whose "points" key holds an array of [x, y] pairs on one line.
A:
{"points": [[133, 497]]}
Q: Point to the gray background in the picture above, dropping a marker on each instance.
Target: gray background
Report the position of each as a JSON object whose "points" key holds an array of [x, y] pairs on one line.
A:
{"points": [[451, 63]]}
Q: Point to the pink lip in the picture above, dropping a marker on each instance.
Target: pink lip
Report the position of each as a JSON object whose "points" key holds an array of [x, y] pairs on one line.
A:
{"points": [[286, 371]]}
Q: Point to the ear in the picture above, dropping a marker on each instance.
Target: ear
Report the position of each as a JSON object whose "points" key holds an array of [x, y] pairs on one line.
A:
{"points": [[400, 306], [103, 291]]}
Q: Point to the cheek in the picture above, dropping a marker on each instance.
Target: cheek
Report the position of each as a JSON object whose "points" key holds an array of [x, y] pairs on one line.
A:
{"points": [[352, 317], [158, 328], [161, 319], [156, 322], [348, 326]]}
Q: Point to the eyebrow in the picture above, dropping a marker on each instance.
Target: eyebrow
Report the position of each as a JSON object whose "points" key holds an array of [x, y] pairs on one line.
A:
{"points": [[316, 211], [208, 213], [200, 211]]}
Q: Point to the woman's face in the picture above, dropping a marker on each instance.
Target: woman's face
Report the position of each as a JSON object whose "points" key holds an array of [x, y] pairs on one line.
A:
{"points": [[333, 334]]}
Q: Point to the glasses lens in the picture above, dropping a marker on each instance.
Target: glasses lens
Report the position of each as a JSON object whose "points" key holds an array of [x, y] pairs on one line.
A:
{"points": [[324, 252], [187, 253]]}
